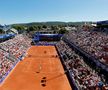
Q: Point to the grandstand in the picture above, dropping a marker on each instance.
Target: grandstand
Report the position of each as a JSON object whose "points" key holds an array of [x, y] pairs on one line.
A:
{"points": [[102, 26], [103, 23], [77, 60], [46, 38], [4, 37]]}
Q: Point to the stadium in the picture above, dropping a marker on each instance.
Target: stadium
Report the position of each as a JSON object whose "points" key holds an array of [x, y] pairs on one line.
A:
{"points": [[77, 60]]}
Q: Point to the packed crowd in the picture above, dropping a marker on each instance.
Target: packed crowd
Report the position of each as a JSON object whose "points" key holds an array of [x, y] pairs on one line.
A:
{"points": [[84, 77], [93, 42], [11, 51], [46, 43], [5, 64]]}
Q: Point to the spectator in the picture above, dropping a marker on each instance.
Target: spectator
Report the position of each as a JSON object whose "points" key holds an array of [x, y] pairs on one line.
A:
{"points": [[10, 51]]}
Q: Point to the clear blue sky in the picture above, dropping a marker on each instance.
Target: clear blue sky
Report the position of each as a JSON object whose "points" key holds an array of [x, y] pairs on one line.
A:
{"points": [[21, 11]]}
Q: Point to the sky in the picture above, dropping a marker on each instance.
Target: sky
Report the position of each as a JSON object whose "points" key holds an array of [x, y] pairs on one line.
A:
{"points": [[25, 11]]}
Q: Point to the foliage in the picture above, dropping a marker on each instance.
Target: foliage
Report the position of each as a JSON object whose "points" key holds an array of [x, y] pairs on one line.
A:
{"points": [[20, 28], [1, 31], [44, 26], [62, 31], [36, 26]]}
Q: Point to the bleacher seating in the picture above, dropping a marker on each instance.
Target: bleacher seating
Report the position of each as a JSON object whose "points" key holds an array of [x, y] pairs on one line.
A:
{"points": [[93, 42], [85, 77], [10, 53]]}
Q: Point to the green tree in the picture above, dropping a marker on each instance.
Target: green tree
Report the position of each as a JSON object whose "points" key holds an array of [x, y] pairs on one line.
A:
{"points": [[36, 28], [54, 27], [31, 28], [20, 28], [1, 31], [39, 27], [44, 26], [62, 31]]}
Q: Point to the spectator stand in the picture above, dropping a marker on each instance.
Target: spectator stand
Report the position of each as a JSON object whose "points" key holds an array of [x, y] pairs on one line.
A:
{"points": [[46, 43], [68, 72], [45, 38], [11, 52], [18, 60], [6, 37], [85, 78], [94, 63]]}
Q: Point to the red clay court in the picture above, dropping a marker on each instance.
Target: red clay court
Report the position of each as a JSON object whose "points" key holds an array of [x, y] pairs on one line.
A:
{"points": [[40, 70]]}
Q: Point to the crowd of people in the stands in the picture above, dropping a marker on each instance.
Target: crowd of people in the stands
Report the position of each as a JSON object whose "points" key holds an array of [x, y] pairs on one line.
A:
{"points": [[93, 42], [84, 77], [10, 52], [46, 43], [5, 64]]}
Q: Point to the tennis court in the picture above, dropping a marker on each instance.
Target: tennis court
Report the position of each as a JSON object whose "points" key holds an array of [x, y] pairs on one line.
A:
{"points": [[41, 69]]}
